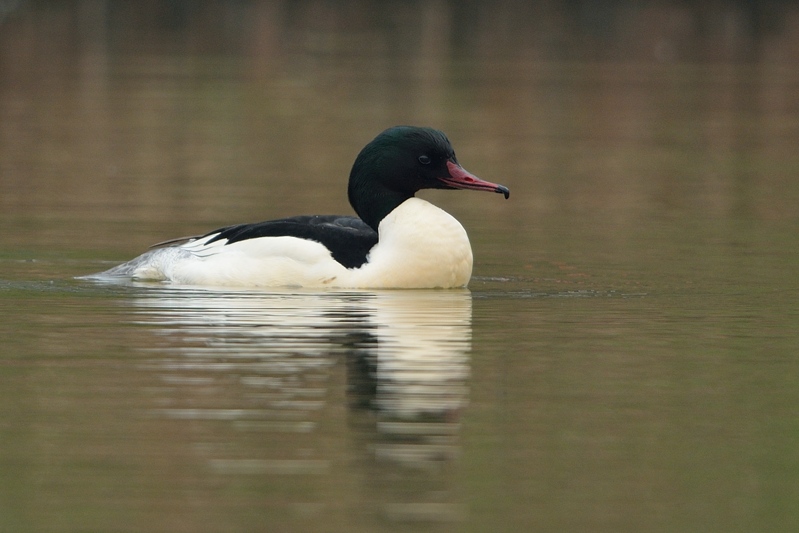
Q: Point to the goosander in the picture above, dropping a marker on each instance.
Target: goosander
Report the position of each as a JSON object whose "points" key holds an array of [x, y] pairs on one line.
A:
{"points": [[399, 241]]}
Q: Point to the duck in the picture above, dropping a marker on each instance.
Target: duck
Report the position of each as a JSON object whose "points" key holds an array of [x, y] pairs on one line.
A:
{"points": [[396, 241]]}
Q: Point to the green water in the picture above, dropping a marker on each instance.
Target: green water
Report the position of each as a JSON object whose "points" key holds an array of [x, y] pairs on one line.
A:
{"points": [[625, 358]]}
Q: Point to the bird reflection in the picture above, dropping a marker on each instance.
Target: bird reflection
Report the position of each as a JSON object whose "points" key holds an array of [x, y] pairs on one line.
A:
{"points": [[300, 383]]}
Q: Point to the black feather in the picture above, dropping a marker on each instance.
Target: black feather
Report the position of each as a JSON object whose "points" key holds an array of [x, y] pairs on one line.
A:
{"points": [[349, 239]]}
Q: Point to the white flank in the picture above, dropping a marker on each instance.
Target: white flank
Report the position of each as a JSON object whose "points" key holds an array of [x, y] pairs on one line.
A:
{"points": [[420, 246]]}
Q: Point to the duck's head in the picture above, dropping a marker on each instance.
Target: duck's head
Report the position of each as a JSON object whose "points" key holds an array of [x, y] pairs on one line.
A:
{"points": [[401, 161]]}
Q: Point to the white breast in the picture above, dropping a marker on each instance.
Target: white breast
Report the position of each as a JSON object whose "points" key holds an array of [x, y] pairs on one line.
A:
{"points": [[420, 247]]}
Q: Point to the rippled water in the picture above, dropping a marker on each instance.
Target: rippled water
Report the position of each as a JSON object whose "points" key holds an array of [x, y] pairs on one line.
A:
{"points": [[625, 358]]}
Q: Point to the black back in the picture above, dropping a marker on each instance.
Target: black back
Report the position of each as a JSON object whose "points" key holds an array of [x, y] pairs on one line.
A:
{"points": [[349, 239]]}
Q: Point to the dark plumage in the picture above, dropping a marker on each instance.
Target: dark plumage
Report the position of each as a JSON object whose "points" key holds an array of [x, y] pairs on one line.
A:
{"points": [[349, 239]]}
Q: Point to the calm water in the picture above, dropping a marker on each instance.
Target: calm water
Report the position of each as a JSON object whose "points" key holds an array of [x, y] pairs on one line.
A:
{"points": [[626, 357]]}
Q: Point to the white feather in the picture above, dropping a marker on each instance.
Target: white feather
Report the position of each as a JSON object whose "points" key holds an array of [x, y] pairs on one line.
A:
{"points": [[420, 246]]}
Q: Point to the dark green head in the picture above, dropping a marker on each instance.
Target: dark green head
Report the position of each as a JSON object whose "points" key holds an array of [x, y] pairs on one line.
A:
{"points": [[401, 161]]}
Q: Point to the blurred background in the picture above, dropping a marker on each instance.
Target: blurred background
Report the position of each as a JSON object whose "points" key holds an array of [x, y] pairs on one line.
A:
{"points": [[625, 359], [155, 111]]}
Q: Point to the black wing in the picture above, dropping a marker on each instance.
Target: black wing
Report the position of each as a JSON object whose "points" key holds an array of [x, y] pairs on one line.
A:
{"points": [[349, 239]]}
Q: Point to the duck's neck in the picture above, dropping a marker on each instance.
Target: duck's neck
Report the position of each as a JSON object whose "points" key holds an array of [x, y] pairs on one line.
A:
{"points": [[371, 200], [376, 207]]}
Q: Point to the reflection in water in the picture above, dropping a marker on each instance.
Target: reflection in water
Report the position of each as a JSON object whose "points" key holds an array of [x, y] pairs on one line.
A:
{"points": [[262, 380]]}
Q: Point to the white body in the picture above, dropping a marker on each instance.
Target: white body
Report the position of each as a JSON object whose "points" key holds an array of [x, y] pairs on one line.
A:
{"points": [[420, 246]]}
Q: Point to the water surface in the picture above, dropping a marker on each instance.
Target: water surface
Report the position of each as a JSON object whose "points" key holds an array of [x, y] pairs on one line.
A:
{"points": [[624, 358]]}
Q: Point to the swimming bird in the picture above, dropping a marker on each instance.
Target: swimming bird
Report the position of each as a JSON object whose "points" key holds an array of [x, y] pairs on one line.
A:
{"points": [[397, 241]]}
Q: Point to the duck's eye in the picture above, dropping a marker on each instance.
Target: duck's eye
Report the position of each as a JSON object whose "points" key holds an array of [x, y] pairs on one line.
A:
{"points": [[424, 159]]}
